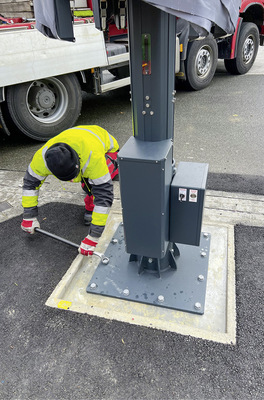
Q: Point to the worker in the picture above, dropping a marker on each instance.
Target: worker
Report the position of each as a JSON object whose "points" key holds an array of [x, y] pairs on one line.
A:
{"points": [[85, 154]]}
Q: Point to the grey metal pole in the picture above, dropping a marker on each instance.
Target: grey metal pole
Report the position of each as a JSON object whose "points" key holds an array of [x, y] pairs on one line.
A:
{"points": [[150, 194], [146, 160], [152, 70]]}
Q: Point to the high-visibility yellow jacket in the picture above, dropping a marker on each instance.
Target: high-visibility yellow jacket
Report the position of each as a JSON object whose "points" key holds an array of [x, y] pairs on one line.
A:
{"points": [[91, 143]]}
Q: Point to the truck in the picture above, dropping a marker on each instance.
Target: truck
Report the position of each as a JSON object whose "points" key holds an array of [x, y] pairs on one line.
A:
{"points": [[42, 79], [198, 58]]}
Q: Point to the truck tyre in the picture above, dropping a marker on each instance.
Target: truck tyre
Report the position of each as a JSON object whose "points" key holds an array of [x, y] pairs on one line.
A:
{"points": [[45, 107], [201, 62], [247, 49]]}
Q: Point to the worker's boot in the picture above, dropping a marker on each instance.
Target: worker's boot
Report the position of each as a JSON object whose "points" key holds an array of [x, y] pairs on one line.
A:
{"points": [[87, 217]]}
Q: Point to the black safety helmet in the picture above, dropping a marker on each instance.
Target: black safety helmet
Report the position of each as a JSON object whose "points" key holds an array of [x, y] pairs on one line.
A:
{"points": [[63, 161]]}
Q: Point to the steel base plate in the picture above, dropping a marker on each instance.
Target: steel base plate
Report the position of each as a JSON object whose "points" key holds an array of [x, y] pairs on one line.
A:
{"points": [[183, 289]]}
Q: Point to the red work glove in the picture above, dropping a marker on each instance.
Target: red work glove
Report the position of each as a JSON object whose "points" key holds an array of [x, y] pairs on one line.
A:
{"points": [[88, 245], [29, 225]]}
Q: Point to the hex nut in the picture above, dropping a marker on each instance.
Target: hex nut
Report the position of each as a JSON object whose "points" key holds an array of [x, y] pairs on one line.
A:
{"points": [[93, 285]]}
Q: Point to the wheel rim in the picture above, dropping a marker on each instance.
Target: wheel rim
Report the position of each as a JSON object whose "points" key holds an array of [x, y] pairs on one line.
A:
{"points": [[203, 61], [47, 100], [248, 49]]}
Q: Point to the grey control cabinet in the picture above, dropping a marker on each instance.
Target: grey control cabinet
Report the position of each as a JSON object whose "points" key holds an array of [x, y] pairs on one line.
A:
{"points": [[186, 203], [145, 171]]}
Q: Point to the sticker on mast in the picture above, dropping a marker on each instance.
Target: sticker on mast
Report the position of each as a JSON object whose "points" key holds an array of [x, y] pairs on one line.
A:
{"points": [[193, 195]]}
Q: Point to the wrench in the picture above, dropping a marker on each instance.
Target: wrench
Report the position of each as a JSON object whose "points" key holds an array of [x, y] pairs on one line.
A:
{"points": [[104, 259]]}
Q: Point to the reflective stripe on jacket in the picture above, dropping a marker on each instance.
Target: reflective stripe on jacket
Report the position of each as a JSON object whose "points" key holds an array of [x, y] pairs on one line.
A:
{"points": [[91, 143]]}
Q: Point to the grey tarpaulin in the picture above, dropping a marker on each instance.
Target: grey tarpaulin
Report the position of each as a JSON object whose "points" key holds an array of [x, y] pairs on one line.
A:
{"points": [[54, 19], [202, 14]]}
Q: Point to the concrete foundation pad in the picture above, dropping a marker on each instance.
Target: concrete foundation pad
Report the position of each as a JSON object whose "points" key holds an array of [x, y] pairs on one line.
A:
{"points": [[218, 323]]}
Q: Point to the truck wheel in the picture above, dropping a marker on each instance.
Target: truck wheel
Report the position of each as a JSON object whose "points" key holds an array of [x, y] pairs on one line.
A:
{"points": [[44, 108], [201, 62], [247, 49]]}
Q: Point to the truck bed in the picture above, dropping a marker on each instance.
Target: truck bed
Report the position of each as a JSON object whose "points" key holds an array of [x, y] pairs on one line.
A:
{"points": [[27, 55]]}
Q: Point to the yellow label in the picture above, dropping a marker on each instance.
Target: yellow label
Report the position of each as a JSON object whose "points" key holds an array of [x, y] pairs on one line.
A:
{"points": [[65, 305]]}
